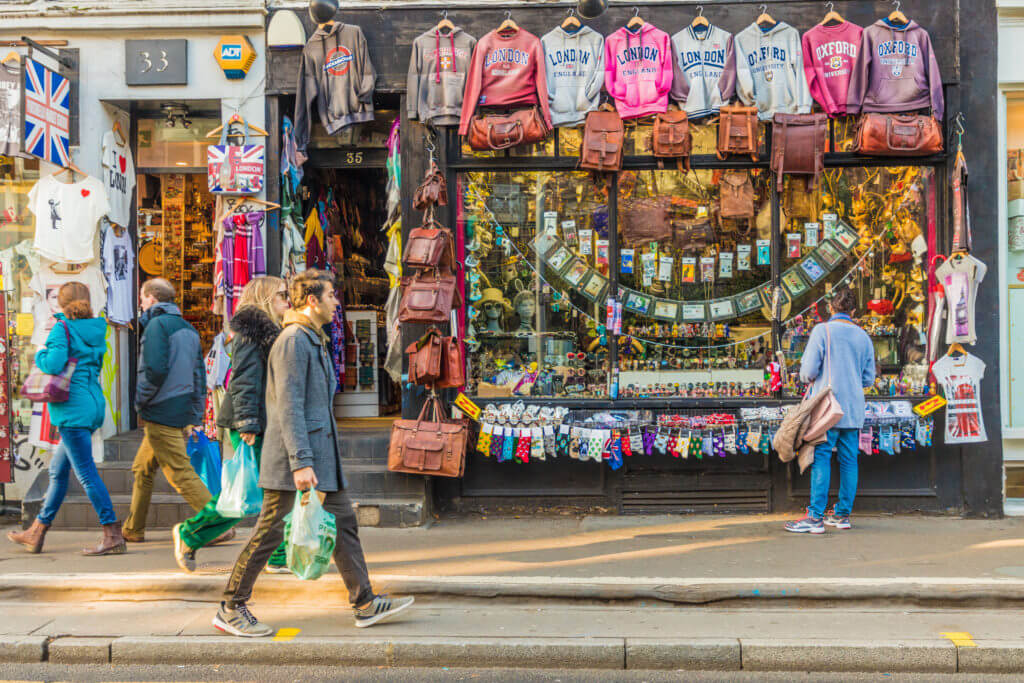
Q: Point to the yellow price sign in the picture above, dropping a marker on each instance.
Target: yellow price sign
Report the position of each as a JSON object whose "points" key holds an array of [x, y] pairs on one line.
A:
{"points": [[467, 406], [929, 406]]}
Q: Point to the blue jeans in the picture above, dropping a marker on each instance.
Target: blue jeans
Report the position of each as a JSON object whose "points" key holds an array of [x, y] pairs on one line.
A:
{"points": [[75, 450], [845, 441]]}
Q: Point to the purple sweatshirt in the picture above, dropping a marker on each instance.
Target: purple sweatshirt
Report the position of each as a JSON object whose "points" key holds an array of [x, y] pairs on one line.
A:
{"points": [[895, 71]]}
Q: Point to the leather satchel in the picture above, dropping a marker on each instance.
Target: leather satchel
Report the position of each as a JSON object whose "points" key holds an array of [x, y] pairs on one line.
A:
{"points": [[501, 131], [693, 235], [429, 246], [798, 144], [645, 221], [737, 131], [671, 137], [601, 149], [905, 135], [430, 444], [736, 195], [433, 191], [425, 358], [428, 297], [453, 367]]}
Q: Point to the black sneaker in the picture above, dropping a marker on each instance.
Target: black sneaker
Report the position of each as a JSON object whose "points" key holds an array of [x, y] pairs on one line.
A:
{"points": [[240, 622], [380, 608], [183, 555]]}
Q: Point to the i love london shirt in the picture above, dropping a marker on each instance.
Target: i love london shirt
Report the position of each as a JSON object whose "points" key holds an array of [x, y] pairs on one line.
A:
{"points": [[118, 178], [67, 215]]}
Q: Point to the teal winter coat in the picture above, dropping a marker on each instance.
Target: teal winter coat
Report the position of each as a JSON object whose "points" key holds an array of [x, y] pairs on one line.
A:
{"points": [[86, 406]]}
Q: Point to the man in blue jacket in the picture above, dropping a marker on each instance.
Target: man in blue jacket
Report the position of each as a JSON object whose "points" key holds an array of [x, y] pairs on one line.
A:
{"points": [[170, 396]]}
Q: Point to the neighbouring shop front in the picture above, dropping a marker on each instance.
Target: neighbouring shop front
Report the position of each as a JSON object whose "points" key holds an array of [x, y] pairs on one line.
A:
{"points": [[636, 307]]}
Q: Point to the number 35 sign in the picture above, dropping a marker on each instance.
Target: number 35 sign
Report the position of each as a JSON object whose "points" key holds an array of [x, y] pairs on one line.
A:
{"points": [[156, 62]]}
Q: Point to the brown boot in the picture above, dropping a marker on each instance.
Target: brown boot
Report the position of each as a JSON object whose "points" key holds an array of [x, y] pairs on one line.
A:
{"points": [[32, 537], [112, 542]]}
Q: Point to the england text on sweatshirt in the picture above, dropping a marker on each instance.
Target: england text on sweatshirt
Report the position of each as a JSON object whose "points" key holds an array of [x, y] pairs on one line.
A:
{"points": [[830, 53], [704, 75], [506, 69], [638, 70], [437, 76], [770, 71], [337, 73], [896, 71], [574, 65]]}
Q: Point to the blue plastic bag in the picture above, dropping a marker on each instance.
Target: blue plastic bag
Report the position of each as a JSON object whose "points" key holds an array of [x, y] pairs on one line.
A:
{"points": [[206, 461], [310, 533], [240, 492]]}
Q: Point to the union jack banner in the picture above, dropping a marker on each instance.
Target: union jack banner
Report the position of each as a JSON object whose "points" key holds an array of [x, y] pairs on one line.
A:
{"points": [[235, 169], [47, 114]]}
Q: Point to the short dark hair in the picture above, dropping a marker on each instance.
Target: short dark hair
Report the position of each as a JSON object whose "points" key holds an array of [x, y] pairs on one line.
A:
{"points": [[844, 301], [73, 299], [312, 281], [160, 289]]}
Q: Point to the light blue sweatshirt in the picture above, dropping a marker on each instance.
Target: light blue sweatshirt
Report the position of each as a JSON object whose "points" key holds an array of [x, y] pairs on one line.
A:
{"points": [[853, 366]]}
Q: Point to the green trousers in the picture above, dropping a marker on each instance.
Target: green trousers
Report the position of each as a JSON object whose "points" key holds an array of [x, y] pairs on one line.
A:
{"points": [[208, 524]]}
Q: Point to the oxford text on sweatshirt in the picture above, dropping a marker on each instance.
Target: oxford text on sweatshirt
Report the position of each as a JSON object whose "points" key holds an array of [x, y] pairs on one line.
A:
{"points": [[770, 71], [830, 54]]}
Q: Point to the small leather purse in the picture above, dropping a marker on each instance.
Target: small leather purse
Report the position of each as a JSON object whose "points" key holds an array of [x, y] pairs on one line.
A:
{"points": [[501, 131], [905, 135], [433, 191]]}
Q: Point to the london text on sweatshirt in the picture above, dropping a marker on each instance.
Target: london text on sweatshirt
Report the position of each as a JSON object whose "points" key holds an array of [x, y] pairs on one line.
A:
{"points": [[704, 75], [638, 70], [896, 71], [336, 72], [770, 71], [574, 65], [506, 70], [830, 54], [437, 76]]}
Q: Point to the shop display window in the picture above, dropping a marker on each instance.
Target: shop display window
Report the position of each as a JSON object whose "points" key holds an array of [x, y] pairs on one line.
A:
{"points": [[162, 146]]}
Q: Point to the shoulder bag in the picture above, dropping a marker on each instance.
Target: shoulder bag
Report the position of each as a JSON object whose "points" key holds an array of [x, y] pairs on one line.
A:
{"points": [[737, 131], [798, 144], [693, 234], [828, 412], [430, 444], [45, 388], [453, 367], [671, 138], [736, 198], [429, 246], [601, 149], [645, 221], [425, 358], [501, 131], [898, 135], [428, 297]]}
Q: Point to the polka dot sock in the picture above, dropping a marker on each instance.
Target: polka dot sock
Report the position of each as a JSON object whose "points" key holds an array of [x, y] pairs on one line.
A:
{"points": [[718, 444], [498, 444], [741, 441], [523, 448], [483, 444], [765, 445], [754, 440]]}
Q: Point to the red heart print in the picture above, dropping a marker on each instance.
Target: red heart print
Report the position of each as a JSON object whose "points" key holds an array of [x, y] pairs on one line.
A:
{"points": [[123, 161], [85, 193]]}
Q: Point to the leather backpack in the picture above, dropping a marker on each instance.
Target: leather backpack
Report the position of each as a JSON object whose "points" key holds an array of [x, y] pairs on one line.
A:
{"points": [[501, 131], [671, 138], [430, 444], [904, 135], [736, 195], [428, 297], [737, 131], [433, 191], [429, 246], [798, 144], [601, 149]]}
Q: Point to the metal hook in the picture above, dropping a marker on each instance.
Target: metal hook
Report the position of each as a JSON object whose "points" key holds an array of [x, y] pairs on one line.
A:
{"points": [[763, 8], [572, 12], [636, 11], [897, 3], [830, 6], [444, 14], [508, 14], [959, 121], [700, 10]]}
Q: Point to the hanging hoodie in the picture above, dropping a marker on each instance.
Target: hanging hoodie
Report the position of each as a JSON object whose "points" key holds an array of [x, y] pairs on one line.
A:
{"points": [[506, 70], [336, 72], [896, 71], [704, 64], [830, 53], [437, 76], [638, 70], [574, 64], [770, 71]]}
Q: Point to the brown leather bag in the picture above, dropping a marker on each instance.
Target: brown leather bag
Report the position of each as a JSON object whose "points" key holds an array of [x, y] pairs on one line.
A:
{"points": [[453, 367], [501, 131], [798, 144], [737, 131], [433, 191], [429, 246], [736, 195], [671, 137], [425, 358], [645, 221], [905, 135], [693, 234], [799, 200], [428, 297], [430, 444], [601, 149]]}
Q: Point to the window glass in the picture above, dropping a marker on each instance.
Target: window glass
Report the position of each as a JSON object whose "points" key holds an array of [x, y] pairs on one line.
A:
{"points": [[160, 146]]}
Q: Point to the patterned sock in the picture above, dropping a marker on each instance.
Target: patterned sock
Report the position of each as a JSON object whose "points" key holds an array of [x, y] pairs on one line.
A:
{"points": [[661, 442], [596, 447], [766, 442], [875, 450], [523, 447], [648, 441], [707, 446], [562, 440], [696, 446], [896, 445], [885, 439], [718, 444], [498, 444], [615, 451], [584, 444], [754, 440], [865, 440], [574, 444], [730, 442], [907, 437], [741, 441], [627, 444], [537, 444], [483, 444], [549, 442]]}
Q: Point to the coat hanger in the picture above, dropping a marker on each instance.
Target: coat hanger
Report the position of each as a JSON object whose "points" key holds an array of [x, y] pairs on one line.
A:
{"points": [[242, 202], [445, 24], [12, 55], [239, 119], [508, 25], [119, 132], [636, 23], [896, 16], [832, 15], [571, 23], [955, 348], [700, 20], [71, 168], [765, 20]]}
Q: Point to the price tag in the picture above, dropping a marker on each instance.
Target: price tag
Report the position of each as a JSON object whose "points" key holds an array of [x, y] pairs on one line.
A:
{"points": [[550, 221], [467, 406]]}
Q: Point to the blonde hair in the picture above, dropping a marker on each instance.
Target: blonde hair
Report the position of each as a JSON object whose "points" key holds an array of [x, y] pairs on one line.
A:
{"points": [[260, 292]]}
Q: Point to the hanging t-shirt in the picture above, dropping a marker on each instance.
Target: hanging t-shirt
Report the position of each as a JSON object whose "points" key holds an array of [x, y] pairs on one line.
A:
{"points": [[960, 275], [10, 109], [961, 383], [11, 266], [67, 215], [118, 178], [118, 265], [46, 283]]}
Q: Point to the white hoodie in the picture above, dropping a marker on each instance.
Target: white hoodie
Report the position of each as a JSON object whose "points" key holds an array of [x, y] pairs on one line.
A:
{"points": [[574, 66], [770, 71]]}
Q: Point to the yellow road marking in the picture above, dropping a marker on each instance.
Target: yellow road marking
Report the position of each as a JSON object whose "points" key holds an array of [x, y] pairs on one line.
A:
{"points": [[960, 638], [286, 634]]}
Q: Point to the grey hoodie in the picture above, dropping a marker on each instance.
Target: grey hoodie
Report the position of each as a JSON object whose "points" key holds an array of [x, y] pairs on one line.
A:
{"points": [[337, 73], [770, 71], [704, 70], [574, 66], [437, 76]]}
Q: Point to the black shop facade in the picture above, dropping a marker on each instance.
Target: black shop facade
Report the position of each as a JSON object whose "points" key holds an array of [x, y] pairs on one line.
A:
{"points": [[625, 374]]}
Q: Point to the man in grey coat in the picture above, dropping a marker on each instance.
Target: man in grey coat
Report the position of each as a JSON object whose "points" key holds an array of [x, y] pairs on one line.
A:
{"points": [[301, 452]]}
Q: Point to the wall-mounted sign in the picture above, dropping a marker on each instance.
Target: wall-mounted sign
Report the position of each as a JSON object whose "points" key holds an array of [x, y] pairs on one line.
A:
{"points": [[156, 62], [235, 55], [46, 109]]}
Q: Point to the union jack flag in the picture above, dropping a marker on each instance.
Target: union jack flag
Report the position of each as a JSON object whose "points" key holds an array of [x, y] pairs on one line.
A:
{"points": [[235, 169], [47, 114]]}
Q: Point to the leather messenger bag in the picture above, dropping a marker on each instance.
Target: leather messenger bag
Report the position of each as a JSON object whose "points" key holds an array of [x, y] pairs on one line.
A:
{"points": [[429, 246], [603, 134], [428, 297], [904, 135], [430, 444], [798, 144], [501, 131]]}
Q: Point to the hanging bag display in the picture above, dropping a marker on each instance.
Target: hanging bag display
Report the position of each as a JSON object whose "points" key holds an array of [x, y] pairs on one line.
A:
{"points": [[601, 148], [433, 191], [453, 366], [798, 145], [310, 534], [425, 358], [671, 138], [240, 492], [501, 131], [898, 135], [428, 297], [737, 131], [235, 169], [429, 246], [45, 388], [430, 444], [736, 195]]}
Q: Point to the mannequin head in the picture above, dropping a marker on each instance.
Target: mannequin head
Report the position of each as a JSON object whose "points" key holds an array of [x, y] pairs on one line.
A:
{"points": [[525, 306], [495, 307]]}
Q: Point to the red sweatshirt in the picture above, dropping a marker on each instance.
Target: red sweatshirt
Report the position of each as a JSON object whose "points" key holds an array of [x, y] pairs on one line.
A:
{"points": [[830, 52], [505, 70]]}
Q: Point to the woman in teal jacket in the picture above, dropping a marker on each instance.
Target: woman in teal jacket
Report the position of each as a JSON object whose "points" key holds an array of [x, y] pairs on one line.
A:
{"points": [[80, 336]]}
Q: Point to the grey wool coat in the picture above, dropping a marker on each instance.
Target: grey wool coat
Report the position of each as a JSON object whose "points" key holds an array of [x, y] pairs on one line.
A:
{"points": [[301, 431]]}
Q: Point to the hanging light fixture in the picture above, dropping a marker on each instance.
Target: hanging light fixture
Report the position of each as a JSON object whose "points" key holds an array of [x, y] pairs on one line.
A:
{"points": [[322, 11], [588, 9]]}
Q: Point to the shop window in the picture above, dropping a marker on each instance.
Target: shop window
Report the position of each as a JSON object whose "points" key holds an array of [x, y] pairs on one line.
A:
{"points": [[160, 146]]}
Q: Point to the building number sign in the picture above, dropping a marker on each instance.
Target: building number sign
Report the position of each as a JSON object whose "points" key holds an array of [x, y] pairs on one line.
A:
{"points": [[156, 62]]}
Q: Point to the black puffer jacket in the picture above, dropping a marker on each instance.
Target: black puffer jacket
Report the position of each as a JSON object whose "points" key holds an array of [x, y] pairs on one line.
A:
{"points": [[245, 407]]}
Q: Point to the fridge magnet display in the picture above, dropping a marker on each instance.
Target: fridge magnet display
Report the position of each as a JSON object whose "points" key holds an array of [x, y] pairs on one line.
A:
{"points": [[845, 235], [743, 257], [665, 268], [794, 282], [586, 242], [720, 309], [665, 310], [576, 272], [793, 244], [748, 301], [707, 269], [545, 243], [648, 262], [811, 232], [764, 252], [638, 303], [569, 231], [550, 221], [559, 259], [813, 270], [829, 254], [626, 261], [725, 265], [828, 222], [693, 312], [602, 253], [595, 287], [688, 265]]}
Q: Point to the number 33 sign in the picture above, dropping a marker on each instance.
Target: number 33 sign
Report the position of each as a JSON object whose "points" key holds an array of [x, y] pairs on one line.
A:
{"points": [[156, 62]]}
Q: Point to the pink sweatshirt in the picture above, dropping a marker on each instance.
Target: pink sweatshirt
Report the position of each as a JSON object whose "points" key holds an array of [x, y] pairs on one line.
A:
{"points": [[638, 70], [830, 53]]}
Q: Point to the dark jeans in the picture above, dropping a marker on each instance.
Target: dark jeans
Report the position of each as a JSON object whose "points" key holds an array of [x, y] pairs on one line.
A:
{"points": [[269, 532], [75, 452]]}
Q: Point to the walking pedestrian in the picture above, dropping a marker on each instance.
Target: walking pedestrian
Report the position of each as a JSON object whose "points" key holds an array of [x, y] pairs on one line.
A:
{"points": [[301, 452], [76, 335], [839, 353], [170, 396], [254, 327]]}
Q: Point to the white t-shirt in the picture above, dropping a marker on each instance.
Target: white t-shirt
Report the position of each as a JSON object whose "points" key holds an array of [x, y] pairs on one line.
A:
{"points": [[67, 215], [45, 285], [118, 178], [961, 384], [118, 266]]}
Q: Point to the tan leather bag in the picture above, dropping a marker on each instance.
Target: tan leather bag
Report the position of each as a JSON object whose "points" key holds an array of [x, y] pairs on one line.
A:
{"points": [[645, 221], [433, 191], [425, 358], [671, 138], [601, 148], [453, 367], [692, 234], [429, 246], [736, 195], [905, 135], [798, 144], [430, 444], [501, 131], [428, 297], [737, 131], [799, 200]]}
